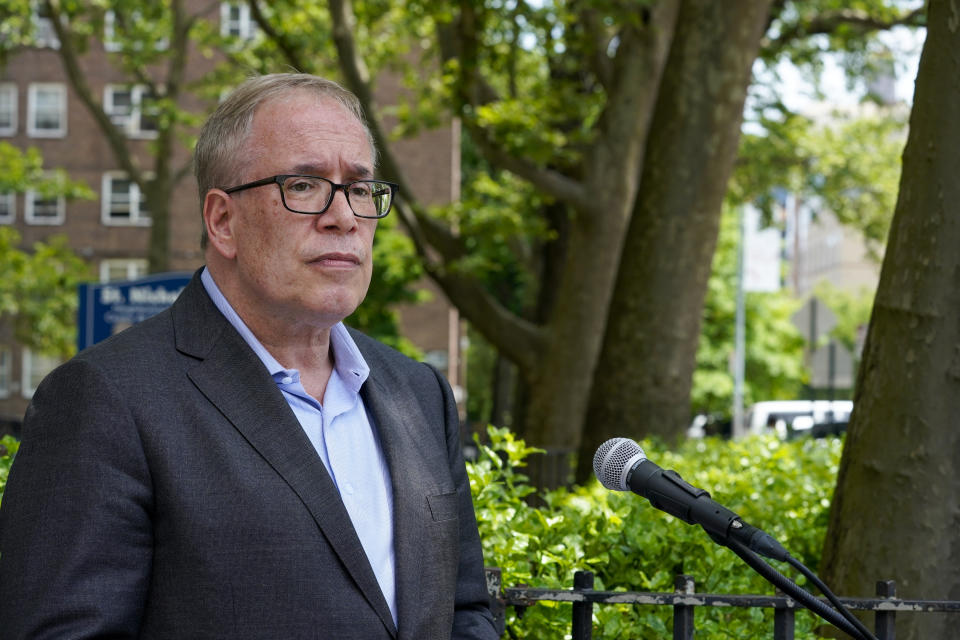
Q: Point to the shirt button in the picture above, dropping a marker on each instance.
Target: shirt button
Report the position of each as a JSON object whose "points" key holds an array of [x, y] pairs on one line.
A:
{"points": [[348, 489], [286, 380]]}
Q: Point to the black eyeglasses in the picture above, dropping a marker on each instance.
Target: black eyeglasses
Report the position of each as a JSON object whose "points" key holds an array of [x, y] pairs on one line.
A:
{"points": [[313, 195]]}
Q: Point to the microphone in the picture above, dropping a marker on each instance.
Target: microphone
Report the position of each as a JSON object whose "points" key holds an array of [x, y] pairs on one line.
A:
{"points": [[621, 465]]}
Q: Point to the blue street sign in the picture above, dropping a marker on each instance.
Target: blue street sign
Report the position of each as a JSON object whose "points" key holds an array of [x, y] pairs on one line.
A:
{"points": [[107, 308]]}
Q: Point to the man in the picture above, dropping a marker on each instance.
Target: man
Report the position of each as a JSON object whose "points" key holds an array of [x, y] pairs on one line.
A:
{"points": [[241, 465]]}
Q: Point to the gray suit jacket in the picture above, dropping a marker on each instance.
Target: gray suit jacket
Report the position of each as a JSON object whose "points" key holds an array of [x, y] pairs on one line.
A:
{"points": [[164, 489]]}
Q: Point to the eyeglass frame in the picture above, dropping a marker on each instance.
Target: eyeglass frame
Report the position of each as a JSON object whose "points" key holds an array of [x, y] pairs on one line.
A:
{"points": [[280, 178]]}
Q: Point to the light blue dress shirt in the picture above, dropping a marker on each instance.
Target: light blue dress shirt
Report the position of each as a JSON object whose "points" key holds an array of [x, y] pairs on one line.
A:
{"points": [[344, 436]]}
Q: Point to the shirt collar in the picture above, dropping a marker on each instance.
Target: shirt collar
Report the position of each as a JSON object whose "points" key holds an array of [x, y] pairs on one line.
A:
{"points": [[347, 359]]}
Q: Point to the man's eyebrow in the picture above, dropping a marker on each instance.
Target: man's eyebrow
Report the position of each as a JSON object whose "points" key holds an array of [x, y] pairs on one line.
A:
{"points": [[357, 171]]}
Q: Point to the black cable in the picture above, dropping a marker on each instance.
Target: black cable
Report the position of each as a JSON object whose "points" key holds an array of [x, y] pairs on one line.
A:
{"points": [[795, 591], [839, 606]]}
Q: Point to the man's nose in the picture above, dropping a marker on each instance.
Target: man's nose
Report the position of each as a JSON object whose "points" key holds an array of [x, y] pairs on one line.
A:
{"points": [[339, 214]]}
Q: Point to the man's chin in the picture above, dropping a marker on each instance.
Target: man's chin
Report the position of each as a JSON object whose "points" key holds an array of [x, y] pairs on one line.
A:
{"points": [[334, 307]]}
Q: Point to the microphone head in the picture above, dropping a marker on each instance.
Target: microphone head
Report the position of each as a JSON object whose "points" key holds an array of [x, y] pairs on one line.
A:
{"points": [[614, 459]]}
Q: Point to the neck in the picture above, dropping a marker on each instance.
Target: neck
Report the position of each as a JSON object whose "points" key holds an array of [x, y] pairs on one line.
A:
{"points": [[295, 342]]}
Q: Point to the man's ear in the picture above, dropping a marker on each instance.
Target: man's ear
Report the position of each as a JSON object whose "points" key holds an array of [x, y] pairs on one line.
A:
{"points": [[218, 218]]}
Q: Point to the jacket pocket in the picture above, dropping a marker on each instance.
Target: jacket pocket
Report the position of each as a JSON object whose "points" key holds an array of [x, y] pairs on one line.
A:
{"points": [[443, 506]]}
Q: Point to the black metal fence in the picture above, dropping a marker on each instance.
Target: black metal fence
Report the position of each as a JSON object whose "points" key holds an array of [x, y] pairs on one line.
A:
{"points": [[685, 600]]}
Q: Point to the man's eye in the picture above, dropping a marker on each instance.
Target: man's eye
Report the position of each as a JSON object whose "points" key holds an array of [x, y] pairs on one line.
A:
{"points": [[300, 186], [360, 191]]}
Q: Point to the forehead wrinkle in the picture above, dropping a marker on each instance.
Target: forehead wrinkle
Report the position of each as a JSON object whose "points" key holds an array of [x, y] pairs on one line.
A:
{"points": [[355, 169]]}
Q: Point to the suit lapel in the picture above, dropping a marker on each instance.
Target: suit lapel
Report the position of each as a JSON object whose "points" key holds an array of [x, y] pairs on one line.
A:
{"points": [[235, 381], [399, 423]]}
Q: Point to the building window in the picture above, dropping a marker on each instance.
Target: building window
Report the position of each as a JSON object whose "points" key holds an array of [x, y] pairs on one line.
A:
{"points": [[236, 22], [131, 108], [36, 366], [8, 208], [122, 269], [6, 366], [8, 109], [45, 36], [112, 44], [47, 110], [121, 201], [41, 209]]}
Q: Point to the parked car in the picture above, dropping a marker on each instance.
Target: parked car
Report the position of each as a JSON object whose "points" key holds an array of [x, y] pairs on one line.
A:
{"points": [[792, 418]]}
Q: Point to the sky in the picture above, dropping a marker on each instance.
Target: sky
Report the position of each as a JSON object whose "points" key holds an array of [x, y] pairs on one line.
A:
{"points": [[906, 45]]}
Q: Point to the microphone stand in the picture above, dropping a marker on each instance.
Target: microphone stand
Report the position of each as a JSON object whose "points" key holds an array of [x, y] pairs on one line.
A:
{"points": [[839, 617]]}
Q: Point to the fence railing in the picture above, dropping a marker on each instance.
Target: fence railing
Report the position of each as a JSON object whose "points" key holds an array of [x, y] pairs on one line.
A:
{"points": [[685, 600]]}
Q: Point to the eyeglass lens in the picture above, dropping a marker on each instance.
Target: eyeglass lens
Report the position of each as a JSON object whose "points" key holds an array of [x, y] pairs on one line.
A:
{"points": [[311, 195]]}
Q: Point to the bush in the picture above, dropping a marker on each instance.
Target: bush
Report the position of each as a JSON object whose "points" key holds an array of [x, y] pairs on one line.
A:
{"points": [[8, 447], [781, 487]]}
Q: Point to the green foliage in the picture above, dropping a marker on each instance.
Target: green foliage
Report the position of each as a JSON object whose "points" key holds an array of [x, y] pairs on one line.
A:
{"points": [[531, 55], [395, 269], [39, 291], [481, 381], [803, 30], [21, 170], [16, 28], [774, 360], [847, 164], [855, 169], [38, 287], [781, 487], [8, 449], [499, 218], [533, 79]]}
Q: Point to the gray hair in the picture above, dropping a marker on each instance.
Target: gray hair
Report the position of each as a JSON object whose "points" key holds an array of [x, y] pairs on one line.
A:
{"points": [[219, 155]]}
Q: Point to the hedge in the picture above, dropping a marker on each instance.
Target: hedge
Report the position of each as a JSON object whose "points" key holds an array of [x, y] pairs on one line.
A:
{"points": [[781, 487]]}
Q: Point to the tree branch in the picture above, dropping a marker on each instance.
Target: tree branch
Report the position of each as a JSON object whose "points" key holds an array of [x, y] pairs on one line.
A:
{"points": [[631, 97], [287, 48], [521, 341], [518, 340], [357, 80], [829, 21], [600, 62], [176, 68], [68, 56], [474, 91], [550, 182]]}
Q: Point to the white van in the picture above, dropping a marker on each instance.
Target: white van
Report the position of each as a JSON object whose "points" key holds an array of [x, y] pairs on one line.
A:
{"points": [[792, 418]]}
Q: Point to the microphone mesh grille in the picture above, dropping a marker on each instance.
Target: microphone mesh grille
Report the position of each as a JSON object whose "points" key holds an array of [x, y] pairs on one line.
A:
{"points": [[612, 459]]}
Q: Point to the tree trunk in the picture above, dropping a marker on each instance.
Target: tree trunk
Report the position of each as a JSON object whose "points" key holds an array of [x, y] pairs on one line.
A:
{"points": [[903, 445], [504, 391], [655, 313], [158, 251], [560, 386]]}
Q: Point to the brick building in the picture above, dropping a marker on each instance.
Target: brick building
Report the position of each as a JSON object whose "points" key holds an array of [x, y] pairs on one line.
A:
{"points": [[38, 108]]}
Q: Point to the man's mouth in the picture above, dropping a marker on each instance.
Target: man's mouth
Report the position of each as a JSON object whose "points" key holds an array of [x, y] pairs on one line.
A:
{"points": [[336, 259]]}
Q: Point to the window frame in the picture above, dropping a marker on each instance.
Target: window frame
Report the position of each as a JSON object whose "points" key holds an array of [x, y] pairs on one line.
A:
{"points": [[29, 210], [131, 123], [11, 216], [136, 218], [46, 35], [32, 91], [246, 25], [110, 42], [135, 267], [11, 89], [26, 371]]}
